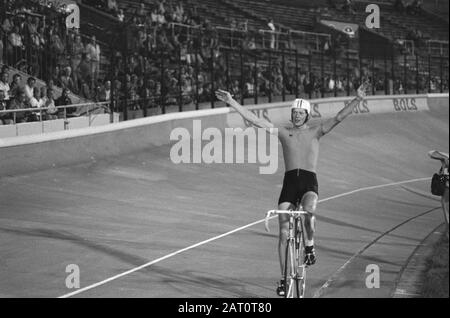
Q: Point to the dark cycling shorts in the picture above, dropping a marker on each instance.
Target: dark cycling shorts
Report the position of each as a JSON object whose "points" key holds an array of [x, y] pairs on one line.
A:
{"points": [[296, 183]]}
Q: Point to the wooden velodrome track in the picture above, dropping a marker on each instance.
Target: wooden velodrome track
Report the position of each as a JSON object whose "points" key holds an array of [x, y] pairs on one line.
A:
{"points": [[141, 226]]}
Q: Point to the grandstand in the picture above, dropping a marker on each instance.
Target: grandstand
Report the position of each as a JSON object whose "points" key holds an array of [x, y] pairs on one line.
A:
{"points": [[156, 56]]}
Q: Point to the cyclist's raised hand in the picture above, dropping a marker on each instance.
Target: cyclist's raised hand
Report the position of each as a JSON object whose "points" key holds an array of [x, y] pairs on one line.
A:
{"points": [[224, 96]]}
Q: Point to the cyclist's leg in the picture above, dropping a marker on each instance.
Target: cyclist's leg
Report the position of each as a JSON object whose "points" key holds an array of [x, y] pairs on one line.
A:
{"points": [[283, 221], [309, 204]]}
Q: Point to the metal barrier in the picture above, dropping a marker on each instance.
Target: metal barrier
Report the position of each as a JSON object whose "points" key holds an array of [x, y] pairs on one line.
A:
{"points": [[83, 110]]}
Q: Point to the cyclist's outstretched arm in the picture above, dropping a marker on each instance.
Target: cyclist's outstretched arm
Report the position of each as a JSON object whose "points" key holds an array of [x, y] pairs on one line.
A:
{"points": [[329, 124], [246, 114]]}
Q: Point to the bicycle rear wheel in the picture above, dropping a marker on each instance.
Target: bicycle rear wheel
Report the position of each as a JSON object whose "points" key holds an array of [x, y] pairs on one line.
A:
{"points": [[300, 257]]}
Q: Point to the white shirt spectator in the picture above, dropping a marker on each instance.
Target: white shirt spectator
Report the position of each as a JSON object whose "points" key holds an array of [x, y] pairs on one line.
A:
{"points": [[331, 84], [5, 88], [93, 52], [50, 103], [28, 92], [36, 103], [16, 40]]}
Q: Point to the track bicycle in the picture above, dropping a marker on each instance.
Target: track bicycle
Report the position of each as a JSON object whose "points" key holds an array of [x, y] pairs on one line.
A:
{"points": [[294, 266]]}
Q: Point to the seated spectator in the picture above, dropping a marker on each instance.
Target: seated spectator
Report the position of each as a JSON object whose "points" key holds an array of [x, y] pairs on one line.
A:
{"points": [[29, 88], [48, 102], [36, 100], [5, 119], [4, 86], [19, 103], [15, 84], [64, 100], [105, 92], [66, 79]]}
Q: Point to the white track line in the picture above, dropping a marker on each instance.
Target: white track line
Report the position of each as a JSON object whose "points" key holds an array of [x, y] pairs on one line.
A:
{"points": [[79, 291]]}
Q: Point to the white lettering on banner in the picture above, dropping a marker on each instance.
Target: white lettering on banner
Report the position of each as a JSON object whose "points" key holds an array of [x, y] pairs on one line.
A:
{"points": [[405, 104], [264, 113], [360, 108], [315, 113]]}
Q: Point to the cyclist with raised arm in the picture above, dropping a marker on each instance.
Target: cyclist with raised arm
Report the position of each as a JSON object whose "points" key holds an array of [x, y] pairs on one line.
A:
{"points": [[300, 143]]}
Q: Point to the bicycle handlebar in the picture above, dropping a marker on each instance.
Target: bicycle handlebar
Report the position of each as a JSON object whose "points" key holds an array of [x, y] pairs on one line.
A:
{"points": [[271, 213]]}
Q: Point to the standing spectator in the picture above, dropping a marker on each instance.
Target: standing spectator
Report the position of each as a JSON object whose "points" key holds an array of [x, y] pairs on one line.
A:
{"points": [[84, 71], [76, 54], [56, 46], [272, 28], [66, 79], [1, 46], [17, 47], [93, 56], [4, 86]]}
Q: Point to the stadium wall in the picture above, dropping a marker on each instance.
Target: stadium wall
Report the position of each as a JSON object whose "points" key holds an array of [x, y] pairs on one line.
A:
{"points": [[20, 155]]}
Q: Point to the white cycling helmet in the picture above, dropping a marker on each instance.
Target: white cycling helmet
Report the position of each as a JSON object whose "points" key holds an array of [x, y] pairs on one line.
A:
{"points": [[301, 104]]}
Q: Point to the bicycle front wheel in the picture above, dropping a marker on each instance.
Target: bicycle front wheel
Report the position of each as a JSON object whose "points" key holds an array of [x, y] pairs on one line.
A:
{"points": [[290, 270]]}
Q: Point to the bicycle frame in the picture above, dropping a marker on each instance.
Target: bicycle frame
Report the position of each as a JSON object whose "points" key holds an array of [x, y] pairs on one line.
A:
{"points": [[295, 269]]}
